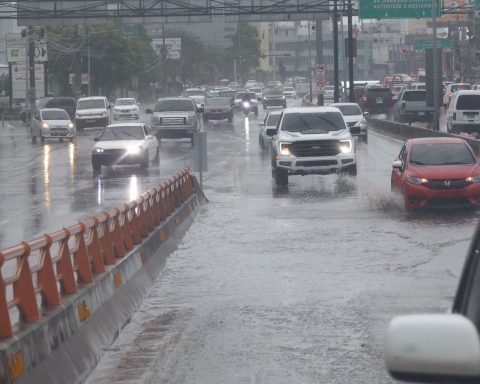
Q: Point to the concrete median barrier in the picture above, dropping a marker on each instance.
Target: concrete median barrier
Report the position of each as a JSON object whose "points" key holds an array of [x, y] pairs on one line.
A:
{"points": [[63, 342], [406, 131]]}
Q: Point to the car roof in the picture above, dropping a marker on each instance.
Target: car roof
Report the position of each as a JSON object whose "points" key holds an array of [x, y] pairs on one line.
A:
{"points": [[92, 98], [174, 98], [116, 125], [436, 140], [125, 98], [310, 110], [342, 104], [467, 92], [274, 113], [52, 109]]}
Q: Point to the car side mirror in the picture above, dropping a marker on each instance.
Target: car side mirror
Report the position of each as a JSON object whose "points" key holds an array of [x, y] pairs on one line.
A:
{"points": [[397, 164], [366, 114], [96, 139], [433, 348], [271, 132], [149, 111]]}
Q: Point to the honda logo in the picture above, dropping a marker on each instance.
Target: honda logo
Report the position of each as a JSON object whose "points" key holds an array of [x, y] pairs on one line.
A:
{"points": [[447, 183]]}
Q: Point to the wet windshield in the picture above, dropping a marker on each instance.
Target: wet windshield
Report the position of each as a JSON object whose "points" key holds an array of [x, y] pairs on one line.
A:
{"points": [[126, 132], [90, 104], [313, 122], [175, 105], [125, 102], [272, 119], [441, 154], [349, 110], [218, 101], [55, 115]]}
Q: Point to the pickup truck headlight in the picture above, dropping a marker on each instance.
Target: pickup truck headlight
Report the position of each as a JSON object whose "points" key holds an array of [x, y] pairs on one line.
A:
{"points": [[103, 114], [133, 150], [346, 146], [285, 149], [98, 150], [45, 125], [416, 180], [70, 125]]}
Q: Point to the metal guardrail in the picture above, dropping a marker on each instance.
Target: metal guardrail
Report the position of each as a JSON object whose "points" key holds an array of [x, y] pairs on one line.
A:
{"points": [[58, 264]]}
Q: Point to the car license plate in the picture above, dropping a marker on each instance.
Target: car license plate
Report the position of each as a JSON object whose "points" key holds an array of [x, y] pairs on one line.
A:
{"points": [[379, 100], [90, 121], [471, 115], [421, 113]]}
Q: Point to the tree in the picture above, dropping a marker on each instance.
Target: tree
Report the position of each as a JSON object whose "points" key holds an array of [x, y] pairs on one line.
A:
{"points": [[246, 48]]}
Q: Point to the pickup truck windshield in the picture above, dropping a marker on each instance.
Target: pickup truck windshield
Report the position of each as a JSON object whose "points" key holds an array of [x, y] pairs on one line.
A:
{"points": [[441, 154], [414, 96], [272, 120], [311, 123], [91, 104], [174, 105]]}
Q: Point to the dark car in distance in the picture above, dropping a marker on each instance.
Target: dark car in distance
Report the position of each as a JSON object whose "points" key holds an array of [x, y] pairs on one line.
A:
{"points": [[218, 108], [377, 100]]}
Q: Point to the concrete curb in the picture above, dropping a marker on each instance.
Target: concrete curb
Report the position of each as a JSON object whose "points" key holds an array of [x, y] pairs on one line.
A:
{"points": [[405, 131], [65, 346]]}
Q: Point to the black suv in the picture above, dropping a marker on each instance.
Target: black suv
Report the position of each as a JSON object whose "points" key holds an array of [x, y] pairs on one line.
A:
{"points": [[377, 100], [274, 98]]}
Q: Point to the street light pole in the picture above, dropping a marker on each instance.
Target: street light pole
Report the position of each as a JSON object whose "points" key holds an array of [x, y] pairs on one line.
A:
{"points": [[89, 67], [335, 51]]}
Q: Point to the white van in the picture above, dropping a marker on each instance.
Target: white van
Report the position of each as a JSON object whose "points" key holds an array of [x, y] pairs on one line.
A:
{"points": [[92, 112], [463, 114]]}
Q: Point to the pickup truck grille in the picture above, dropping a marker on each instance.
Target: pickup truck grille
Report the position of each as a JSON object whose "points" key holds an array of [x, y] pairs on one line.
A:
{"points": [[445, 184], [173, 121], [315, 148]]}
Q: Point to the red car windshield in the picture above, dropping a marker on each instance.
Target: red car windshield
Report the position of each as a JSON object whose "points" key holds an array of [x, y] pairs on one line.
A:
{"points": [[441, 154]]}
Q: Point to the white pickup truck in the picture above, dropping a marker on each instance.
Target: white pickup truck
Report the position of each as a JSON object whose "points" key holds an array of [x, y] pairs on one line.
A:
{"points": [[312, 141], [412, 106]]}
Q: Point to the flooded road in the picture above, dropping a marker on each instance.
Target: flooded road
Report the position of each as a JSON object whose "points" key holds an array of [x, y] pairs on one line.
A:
{"points": [[289, 285]]}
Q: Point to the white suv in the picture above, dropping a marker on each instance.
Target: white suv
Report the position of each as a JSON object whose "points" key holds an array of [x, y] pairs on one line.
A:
{"points": [[92, 112], [312, 141]]}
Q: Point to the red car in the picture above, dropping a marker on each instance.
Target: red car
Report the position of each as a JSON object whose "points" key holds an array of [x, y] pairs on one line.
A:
{"points": [[437, 171]]}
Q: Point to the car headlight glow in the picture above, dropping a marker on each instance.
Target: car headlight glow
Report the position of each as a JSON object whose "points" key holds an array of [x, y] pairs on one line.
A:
{"points": [[134, 150], [473, 179], [416, 180], [346, 146], [285, 149], [70, 125], [45, 125], [99, 150], [103, 114], [246, 104]]}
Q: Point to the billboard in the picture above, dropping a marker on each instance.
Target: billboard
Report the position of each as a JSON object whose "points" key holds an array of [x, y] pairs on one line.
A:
{"points": [[20, 80], [17, 49]]}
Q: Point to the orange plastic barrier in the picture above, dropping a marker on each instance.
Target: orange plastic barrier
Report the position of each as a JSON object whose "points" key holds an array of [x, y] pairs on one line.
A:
{"points": [[72, 257]]}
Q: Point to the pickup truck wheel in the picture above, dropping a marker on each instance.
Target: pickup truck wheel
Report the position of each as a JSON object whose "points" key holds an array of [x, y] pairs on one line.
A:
{"points": [[281, 177], [260, 142], [352, 171]]}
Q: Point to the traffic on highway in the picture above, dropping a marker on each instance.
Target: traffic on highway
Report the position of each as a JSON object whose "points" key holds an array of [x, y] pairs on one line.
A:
{"points": [[337, 240]]}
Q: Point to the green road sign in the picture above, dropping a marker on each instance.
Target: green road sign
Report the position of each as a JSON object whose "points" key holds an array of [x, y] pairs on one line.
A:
{"points": [[421, 45], [130, 30], [397, 9]]}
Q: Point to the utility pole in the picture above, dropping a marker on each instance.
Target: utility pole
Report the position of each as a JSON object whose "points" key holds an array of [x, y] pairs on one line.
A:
{"points": [[436, 106], [310, 63], [31, 69], [335, 50], [351, 54], [89, 65], [319, 47], [164, 60]]}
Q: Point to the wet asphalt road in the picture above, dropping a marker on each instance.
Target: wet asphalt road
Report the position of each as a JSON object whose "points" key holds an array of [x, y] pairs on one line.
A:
{"points": [[292, 285]]}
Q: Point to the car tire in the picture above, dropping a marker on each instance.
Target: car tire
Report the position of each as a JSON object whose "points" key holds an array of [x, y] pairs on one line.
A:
{"points": [[351, 171], [34, 138], [364, 139], [256, 111], [281, 177], [78, 126], [230, 118], [42, 139], [157, 155]]}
